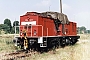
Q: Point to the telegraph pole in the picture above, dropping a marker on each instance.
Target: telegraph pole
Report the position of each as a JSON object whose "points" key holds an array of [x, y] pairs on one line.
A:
{"points": [[63, 26], [60, 6]]}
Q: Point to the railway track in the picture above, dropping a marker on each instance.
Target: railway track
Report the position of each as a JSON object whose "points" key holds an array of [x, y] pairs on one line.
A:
{"points": [[17, 55]]}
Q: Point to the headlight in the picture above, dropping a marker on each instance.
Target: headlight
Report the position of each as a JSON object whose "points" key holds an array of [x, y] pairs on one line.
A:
{"points": [[16, 42]]}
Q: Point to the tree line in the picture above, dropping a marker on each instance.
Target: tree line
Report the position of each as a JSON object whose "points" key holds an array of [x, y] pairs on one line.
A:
{"points": [[8, 28], [82, 30]]}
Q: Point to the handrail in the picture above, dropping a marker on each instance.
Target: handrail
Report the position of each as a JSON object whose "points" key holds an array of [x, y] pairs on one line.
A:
{"points": [[47, 31], [31, 29], [37, 25]]}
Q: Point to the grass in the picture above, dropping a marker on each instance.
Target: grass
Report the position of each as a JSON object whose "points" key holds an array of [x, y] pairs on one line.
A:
{"points": [[79, 51], [84, 36], [6, 43], [76, 52]]}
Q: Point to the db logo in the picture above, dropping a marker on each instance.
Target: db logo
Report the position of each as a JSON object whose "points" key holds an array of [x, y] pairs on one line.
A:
{"points": [[28, 19]]}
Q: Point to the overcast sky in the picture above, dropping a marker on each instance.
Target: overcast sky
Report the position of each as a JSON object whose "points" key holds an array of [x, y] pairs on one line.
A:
{"points": [[76, 10]]}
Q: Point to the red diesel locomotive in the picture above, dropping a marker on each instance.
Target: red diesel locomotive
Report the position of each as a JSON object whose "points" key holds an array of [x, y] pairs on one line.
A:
{"points": [[44, 30]]}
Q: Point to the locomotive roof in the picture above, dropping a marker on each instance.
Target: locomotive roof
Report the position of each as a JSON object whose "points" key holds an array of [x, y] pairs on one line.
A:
{"points": [[53, 15], [56, 15]]}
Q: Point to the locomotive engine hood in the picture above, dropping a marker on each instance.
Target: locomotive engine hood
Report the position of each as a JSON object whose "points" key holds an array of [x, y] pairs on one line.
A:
{"points": [[60, 16]]}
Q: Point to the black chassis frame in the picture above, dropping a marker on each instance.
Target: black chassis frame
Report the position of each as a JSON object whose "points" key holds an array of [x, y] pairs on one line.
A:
{"points": [[48, 41]]}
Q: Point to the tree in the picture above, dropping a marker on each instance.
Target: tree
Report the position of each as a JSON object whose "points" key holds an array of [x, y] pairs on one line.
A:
{"points": [[8, 23], [15, 23], [81, 30], [13, 30], [4, 27], [88, 31]]}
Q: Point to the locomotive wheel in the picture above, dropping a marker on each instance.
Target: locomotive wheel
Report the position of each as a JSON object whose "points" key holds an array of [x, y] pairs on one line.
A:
{"points": [[67, 42], [63, 43], [54, 49], [57, 44], [53, 44], [73, 41]]}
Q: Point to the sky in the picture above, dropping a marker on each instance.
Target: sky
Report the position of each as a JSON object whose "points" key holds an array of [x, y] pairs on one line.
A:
{"points": [[77, 10]]}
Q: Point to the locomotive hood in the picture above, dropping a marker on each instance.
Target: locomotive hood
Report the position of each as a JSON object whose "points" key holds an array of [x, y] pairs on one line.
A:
{"points": [[62, 17]]}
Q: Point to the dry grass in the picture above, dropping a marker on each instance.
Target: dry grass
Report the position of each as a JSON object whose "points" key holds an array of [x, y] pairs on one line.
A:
{"points": [[76, 52], [6, 43], [84, 36], [79, 51]]}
